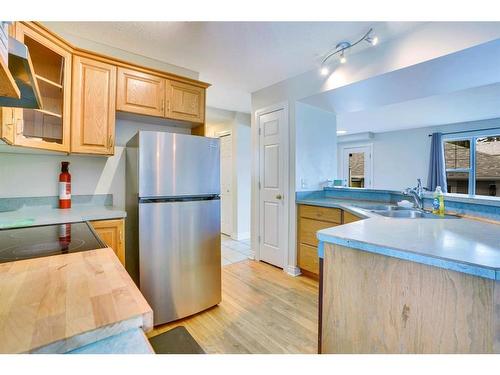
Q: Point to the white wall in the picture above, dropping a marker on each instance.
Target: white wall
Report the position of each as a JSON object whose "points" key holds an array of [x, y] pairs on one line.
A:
{"points": [[36, 175], [242, 166], [315, 147], [423, 43], [400, 157]]}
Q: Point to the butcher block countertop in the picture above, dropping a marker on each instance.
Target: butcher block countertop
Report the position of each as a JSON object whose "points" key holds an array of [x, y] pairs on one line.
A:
{"points": [[60, 303]]}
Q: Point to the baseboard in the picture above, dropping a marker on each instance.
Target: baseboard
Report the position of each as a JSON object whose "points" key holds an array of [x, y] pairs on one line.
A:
{"points": [[292, 270], [251, 255], [240, 236]]}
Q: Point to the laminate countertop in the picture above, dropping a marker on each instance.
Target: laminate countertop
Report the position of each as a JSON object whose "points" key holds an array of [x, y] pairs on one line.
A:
{"points": [[60, 303], [464, 245], [46, 215]]}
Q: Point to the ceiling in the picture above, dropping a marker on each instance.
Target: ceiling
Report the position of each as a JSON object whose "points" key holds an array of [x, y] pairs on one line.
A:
{"points": [[237, 58], [478, 103], [458, 87]]}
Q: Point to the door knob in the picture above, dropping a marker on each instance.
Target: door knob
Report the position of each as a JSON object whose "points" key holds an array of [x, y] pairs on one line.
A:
{"points": [[279, 196]]}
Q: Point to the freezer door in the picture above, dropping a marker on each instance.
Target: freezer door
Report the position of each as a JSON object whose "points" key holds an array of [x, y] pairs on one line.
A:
{"points": [[177, 165], [179, 257]]}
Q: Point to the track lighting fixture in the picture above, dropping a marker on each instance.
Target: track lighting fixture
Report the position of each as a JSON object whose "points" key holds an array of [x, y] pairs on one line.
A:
{"points": [[341, 49]]}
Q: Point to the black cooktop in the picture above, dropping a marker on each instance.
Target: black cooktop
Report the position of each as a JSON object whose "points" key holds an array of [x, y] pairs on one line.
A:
{"points": [[46, 240]]}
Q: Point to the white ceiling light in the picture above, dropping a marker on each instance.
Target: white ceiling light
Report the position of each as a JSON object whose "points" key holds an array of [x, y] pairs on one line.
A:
{"points": [[342, 47], [340, 132]]}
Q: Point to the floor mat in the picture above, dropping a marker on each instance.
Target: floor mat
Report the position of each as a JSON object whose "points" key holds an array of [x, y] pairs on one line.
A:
{"points": [[176, 341]]}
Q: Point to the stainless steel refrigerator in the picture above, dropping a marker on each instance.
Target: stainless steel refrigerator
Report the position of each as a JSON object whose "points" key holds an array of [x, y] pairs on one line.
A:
{"points": [[173, 204]]}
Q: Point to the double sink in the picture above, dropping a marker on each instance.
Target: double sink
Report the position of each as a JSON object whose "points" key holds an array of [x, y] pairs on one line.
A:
{"points": [[397, 212]]}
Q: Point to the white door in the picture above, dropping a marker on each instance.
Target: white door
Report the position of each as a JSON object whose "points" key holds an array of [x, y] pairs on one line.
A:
{"points": [[357, 166], [226, 172], [272, 187]]}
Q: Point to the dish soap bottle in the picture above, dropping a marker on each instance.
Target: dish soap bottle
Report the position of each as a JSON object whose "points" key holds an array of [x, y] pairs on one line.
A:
{"points": [[438, 202]]}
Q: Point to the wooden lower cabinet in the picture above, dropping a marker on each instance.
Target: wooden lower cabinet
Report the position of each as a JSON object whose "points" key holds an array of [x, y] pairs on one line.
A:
{"points": [[308, 258], [112, 233], [310, 220], [349, 218]]}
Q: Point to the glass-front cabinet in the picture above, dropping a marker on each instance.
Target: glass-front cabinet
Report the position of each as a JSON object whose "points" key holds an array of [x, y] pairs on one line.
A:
{"points": [[49, 127]]}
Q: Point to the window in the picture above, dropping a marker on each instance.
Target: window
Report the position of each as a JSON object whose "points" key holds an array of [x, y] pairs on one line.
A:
{"points": [[473, 164]]}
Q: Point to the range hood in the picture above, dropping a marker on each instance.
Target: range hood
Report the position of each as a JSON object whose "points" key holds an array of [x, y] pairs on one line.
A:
{"points": [[21, 68]]}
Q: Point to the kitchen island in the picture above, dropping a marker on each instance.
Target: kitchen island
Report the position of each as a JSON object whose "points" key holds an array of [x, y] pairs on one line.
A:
{"points": [[60, 303], [392, 285]]}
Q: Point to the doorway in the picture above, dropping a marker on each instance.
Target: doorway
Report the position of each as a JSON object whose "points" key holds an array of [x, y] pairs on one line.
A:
{"points": [[357, 166], [226, 178]]}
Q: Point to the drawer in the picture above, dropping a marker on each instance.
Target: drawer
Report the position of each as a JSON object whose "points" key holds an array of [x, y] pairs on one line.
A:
{"points": [[308, 258], [321, 213], [308, 229], [350, 218]]}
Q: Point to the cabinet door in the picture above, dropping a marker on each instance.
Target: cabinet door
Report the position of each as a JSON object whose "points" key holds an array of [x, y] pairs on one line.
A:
{"points": [[350, 218], [47, 128], [93, 106], [308, 258], [185, 102], [111, 233], [140, 93], [308, 229], [8, 124]]}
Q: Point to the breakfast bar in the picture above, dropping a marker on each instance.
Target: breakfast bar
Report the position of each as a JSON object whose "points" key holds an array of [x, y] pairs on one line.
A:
{"points": [[409, 286]]}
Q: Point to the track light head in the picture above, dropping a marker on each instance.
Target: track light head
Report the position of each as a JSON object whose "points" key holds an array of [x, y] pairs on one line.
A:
{"points": [[373, 41], [342, 58]]}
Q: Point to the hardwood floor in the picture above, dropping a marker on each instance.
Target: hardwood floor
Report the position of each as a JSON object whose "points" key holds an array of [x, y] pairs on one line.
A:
{"points": [[263, 310]]}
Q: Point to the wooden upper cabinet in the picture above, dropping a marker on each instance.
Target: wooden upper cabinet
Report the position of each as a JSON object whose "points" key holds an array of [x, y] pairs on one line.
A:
{"points": [[81, 91], [151, 95], [185, 102], [49, 127], [93, 106], [141, 93]]}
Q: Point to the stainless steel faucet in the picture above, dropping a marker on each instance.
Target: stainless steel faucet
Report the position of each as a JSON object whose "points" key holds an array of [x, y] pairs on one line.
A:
{"points": [[417, 193]]}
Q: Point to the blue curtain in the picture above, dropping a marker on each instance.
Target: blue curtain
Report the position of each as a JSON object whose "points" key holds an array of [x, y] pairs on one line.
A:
{"points": [[437, 169]]}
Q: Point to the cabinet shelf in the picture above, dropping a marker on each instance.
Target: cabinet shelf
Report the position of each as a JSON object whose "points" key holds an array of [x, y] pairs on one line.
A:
{"points": [[49, 113], [48, 81]]}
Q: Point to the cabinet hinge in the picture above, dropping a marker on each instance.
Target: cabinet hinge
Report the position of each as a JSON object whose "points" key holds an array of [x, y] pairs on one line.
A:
{"points": [[259, 185], [260, 131]]}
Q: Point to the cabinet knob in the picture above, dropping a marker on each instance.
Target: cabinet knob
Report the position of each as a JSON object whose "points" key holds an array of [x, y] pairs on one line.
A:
{"points": [[279, 196]]}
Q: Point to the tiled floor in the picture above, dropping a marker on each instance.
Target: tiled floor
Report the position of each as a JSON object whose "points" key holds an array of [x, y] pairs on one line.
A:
{"points": [[234, 251]]}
